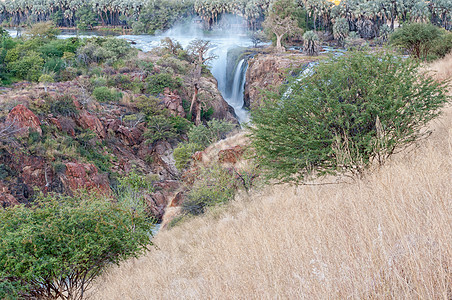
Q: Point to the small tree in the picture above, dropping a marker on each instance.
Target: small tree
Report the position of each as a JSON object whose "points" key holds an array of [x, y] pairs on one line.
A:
{"points": [[44, 30], [417, 38], [352, 110], [280, 21], [55, 249], [310, 43], [45, 79], [340, 30], [199, 51]]}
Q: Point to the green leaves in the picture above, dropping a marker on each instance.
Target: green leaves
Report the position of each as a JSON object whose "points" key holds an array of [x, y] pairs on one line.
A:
{"points": [[417, 38], [60, 244], [351, 111]]}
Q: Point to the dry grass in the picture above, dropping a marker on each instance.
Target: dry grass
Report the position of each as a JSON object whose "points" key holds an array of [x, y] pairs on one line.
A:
{"points": [[386, 236], [442, 67]]}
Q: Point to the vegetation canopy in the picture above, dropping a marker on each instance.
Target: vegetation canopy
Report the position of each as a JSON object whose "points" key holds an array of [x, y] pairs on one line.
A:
{"points": [[57, 247], [352, 110]]}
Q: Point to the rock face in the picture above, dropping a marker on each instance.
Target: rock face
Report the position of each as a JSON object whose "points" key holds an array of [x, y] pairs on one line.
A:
{"points": [[173, 102], [89, 121], [24, 120], [6, 198], [85, 176], [222, 110], [231, 155], [267, 72], [63, 161]]}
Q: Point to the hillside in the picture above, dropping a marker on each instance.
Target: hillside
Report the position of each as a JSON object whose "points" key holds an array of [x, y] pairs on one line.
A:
{"points": [[388, 235]]}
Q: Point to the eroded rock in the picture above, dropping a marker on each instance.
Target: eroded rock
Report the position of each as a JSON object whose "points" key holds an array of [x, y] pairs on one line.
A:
{"points": [[24, 120]]}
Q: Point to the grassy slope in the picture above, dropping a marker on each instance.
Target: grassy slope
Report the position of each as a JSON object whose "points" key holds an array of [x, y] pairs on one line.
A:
{"points": [[386, 236]]}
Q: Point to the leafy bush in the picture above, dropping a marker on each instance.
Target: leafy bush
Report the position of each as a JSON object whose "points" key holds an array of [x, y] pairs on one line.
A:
{"points": [[159, 128], [442, 46], [213, 132], [64, 106], [416, 38], [104, 94], [56, 247], [158, 82], [214, 186], [28, 67], [353, 110], [149, 105], [183, 154], [54, 65]]}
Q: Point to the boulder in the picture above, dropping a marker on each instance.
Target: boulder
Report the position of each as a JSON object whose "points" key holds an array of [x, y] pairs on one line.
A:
{"points": [[89, 121], [231, 155], [6, 199], [173, 102], [24, 120], [85, 176]]}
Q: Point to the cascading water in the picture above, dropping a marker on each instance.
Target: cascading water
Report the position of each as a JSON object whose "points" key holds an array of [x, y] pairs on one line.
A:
{"points": [[230, 71], [238, 88]]}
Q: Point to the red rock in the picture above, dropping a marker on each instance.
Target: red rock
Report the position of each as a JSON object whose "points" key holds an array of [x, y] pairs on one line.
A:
{"points": [[173, 102], [6, 199], [114, 124], [177, 200], [56, 122], [24, 119], [230, 155], [67, 125], [88, 121], [129, 136], [85, 176]]}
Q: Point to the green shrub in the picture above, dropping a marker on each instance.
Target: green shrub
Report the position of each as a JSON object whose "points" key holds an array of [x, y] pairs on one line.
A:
{"points": [[158, 82], [416, 38], [98, 81], [67, 74], [181, 125], [104, 94], [213, 132], [64, 106], [159, 128], [59, 245], [177, 65], [213, 186], [54, 64], [28, 67], [183, 154], [122, 82], [150, 106], [352, 110], [442, 46], [59, 168]]}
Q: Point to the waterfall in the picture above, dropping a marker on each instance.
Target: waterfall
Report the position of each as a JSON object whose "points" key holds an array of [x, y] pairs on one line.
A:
{"points": [[238, 88], [230, 71]]}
